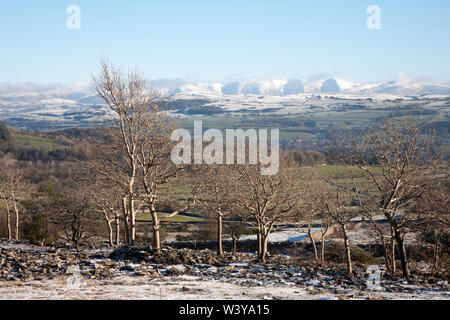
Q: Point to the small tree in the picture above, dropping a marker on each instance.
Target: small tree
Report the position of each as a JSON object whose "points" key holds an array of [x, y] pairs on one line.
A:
{"points": [[214, 197], [13, 185], [75, 213], [313, 212], [340, 207], [107, 171], [159, 175], [235, 227], [433, 221], [107, 201], [265, 200]]}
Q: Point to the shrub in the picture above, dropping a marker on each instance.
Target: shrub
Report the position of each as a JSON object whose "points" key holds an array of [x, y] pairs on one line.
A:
{"points": [[36, 231], [274, 251], [359, 255], [335, 252]]}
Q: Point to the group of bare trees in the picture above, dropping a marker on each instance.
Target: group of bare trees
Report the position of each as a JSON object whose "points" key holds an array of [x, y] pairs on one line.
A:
{"points": [[392, 177], [261, 201], [134, 157], [398, 167], [391, 168], [13, 187]]}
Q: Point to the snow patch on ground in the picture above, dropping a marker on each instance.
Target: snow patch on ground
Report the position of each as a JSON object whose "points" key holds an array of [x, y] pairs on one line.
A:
{"points": [[291, 234]]}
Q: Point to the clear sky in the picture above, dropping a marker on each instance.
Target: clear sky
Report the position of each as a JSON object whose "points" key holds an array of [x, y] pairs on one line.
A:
{"points": [[223, 40]]}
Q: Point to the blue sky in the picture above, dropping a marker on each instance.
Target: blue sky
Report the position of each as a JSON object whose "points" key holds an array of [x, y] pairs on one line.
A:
{"points": [[225, 40]]}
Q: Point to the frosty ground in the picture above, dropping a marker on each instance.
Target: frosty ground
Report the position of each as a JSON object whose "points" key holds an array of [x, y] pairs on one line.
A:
{"points": [[186, 288], [34, 272]]}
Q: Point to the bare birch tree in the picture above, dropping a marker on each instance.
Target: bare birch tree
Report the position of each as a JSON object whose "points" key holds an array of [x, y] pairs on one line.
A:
{"points": [[143, 137], [127, 96], [108, 201], [12, 187], [108, 170]]}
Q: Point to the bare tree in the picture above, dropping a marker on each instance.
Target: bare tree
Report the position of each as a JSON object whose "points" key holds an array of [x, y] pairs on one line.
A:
{"points": [[127, 96], [340, 207], [5, 201], [108, 169], [215, 196], [235, 227], [74, 213], [12, 187], [107, 200], [142, 135], [370, 212], [313, 212], [396, 161], [158, 173], [433, 221], [265, 200]]}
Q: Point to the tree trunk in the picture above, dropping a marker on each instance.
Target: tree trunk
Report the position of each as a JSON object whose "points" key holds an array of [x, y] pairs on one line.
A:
{"points": [[219, 235], [402, 252], [125, 220], [110, 233], [323, 233], [156, 228], [316, 256], [436, 252], [234, 245], [347, 250], [132, 219], [16, 211], [259, 241], [392, 252], [117, 231], [264, 247], [387, 259], [322, 248], [156, 237], [131, 210], [110, 229], [8, 220], [387, 250]]}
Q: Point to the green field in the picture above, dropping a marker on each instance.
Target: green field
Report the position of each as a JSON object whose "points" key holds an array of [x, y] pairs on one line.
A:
{"points": [[38, 143]]}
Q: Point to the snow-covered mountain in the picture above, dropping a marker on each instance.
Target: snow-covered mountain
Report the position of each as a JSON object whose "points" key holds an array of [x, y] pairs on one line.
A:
{"points": [[402, 86], [77, 101], [81, 93], [56, 106]]}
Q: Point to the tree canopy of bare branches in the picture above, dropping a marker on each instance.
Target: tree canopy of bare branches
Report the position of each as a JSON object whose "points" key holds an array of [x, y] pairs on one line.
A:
{"points": [[396, 160], [265, 200], [140, 145]]}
